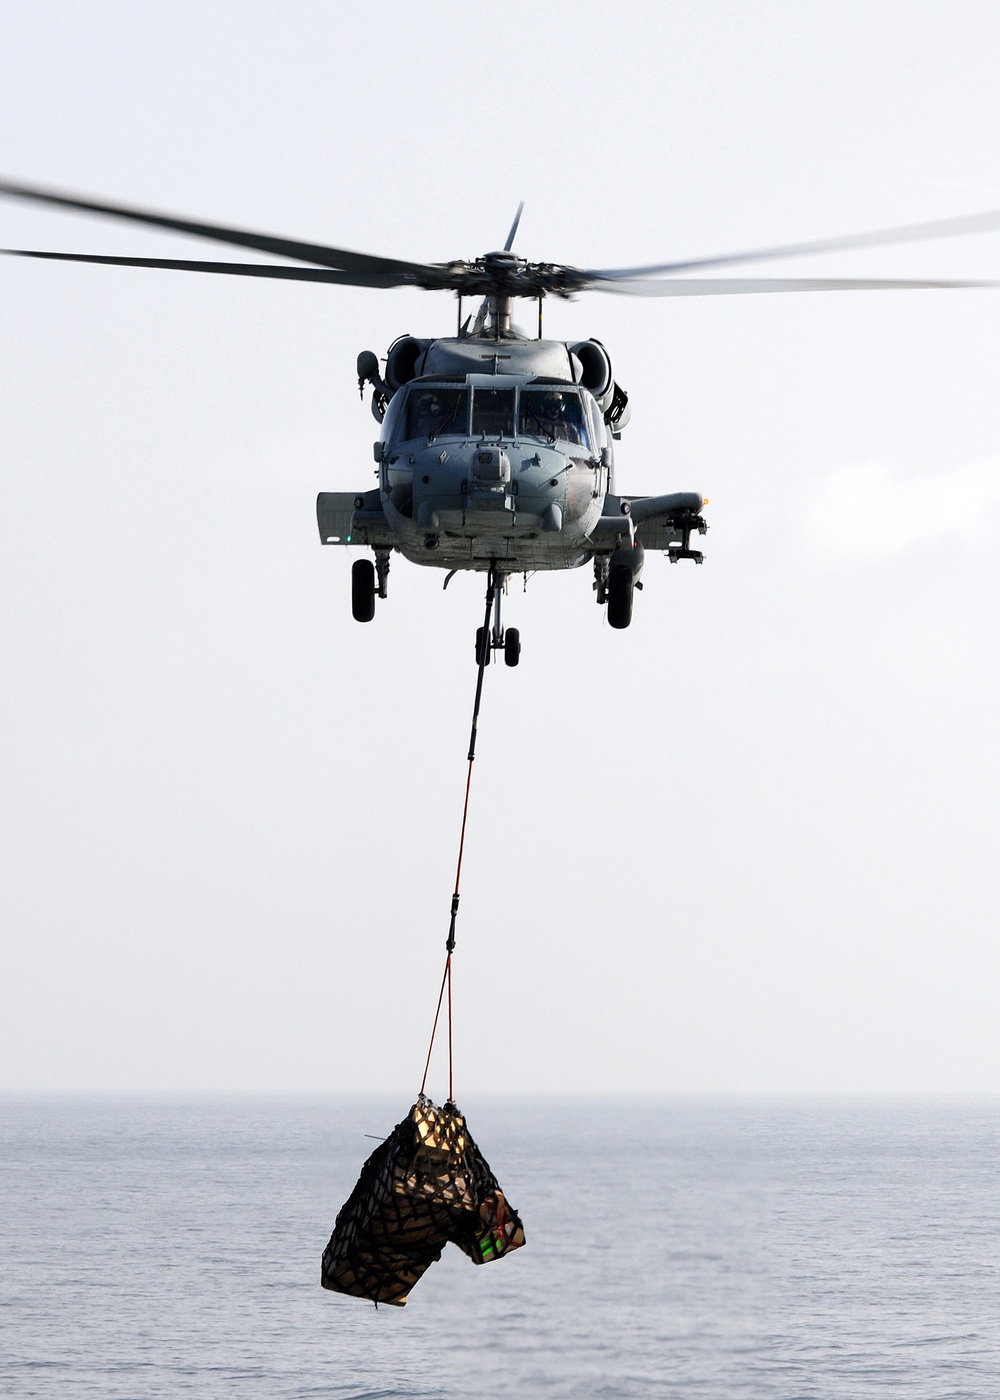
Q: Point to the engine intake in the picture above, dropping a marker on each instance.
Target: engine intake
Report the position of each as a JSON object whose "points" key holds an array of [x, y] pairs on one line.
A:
{"points": [[402, 361], [595, 369]]}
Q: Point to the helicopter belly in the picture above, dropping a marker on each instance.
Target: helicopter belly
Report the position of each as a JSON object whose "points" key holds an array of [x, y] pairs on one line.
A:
{"points": [[471, 535], [523, 554]]}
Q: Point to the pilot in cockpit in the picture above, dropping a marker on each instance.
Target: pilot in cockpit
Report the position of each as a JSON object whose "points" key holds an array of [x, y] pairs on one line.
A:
{"points": [[431, 412], [424, 414], [559, 415]]}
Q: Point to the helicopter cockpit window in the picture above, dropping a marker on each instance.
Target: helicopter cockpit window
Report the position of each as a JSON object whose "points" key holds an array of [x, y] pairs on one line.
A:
{"points": [[552, 413], [431, 413], [598, 428], [493, 413]]}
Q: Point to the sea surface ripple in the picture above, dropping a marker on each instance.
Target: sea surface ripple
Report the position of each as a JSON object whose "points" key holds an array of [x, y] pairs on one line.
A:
{"points": [[717, 1248]]}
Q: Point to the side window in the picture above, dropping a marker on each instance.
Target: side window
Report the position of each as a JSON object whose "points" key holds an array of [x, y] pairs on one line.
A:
{"points": [[555, 414], [493, 413], [433, 412], [392, 415], [598, 430]]}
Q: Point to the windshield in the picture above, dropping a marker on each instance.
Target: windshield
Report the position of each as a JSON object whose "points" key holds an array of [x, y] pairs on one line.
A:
{"points": [[430, 413], [493, 413], [553, 413]]}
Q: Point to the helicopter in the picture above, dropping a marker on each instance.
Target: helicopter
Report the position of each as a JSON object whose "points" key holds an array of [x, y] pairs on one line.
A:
{"points": [[496, 448]]}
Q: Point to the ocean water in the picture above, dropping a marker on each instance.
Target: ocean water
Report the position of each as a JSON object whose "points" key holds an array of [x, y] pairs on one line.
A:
{"points": [[676, 1247]]}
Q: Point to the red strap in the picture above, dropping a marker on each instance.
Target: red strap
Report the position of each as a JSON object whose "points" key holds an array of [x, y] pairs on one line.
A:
{"points": [[450, 945]]}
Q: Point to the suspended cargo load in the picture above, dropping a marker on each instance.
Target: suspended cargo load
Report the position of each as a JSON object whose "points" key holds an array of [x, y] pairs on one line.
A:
{"points": [[428, 1183]]}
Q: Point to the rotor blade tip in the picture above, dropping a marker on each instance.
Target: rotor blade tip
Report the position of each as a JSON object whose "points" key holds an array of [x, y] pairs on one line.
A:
{"points": [[513, 228]]}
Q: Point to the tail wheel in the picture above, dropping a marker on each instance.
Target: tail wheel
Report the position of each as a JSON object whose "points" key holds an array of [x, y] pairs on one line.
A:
{"points": [[512, 646], [620, 587], [483, 646], [363, 590]]}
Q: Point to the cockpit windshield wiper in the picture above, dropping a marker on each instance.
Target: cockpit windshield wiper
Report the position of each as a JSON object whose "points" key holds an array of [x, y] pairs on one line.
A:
{"points": [[444, 425], [545, 429]]}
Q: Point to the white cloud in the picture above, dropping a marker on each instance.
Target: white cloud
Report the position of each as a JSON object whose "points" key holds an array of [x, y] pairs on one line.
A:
{"points": [[873, 511]]}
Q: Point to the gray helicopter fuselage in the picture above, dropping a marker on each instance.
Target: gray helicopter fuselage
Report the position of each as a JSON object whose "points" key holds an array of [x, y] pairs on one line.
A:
{"points": [[496, 455], [472, 467]]}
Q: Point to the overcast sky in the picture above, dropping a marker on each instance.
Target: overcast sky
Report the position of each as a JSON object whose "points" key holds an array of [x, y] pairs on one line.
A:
{"points": [[748, 844]]}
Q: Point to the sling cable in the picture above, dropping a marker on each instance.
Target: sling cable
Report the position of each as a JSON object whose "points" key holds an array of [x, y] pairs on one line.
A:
{"points": [[427, 1183], [483, 644]]}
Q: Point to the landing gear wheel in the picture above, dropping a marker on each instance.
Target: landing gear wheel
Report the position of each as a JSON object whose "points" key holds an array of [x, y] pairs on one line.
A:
{"points": [[512, 646], [483, 645], [363, 590], [620, 586]]}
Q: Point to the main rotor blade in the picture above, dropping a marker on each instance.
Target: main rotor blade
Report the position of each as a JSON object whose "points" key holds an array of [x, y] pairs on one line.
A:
{"points": [[319, 253], [735, 286], [513, 228], [904, 233], [288, 274]]}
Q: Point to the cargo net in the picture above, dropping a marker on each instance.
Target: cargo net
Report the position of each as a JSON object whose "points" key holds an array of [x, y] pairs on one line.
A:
{"points": [[428, 1183]]}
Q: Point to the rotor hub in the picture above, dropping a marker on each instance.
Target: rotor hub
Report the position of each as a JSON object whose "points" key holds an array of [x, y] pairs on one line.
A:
{"points": [[503, 274]]}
